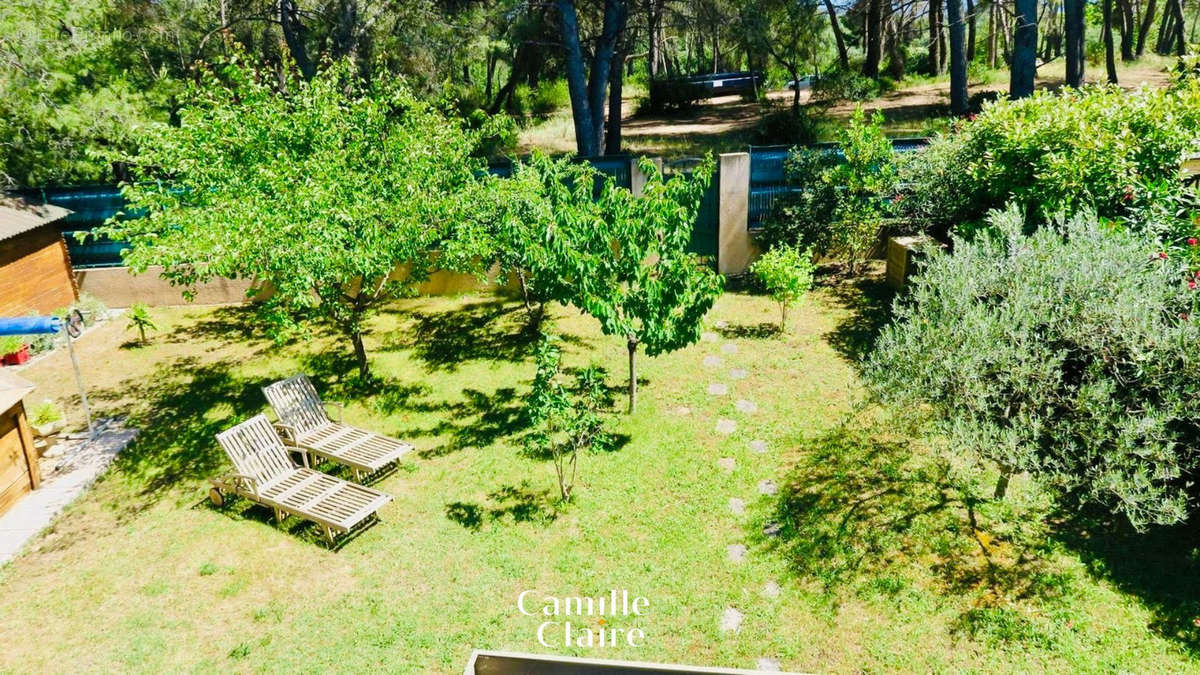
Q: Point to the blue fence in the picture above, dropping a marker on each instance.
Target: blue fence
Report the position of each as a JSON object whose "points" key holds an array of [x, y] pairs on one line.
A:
{"points": [[768, 180]]}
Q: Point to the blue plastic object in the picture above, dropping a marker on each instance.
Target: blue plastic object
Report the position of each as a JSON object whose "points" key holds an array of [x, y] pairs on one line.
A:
{"points": [[30, 325]]}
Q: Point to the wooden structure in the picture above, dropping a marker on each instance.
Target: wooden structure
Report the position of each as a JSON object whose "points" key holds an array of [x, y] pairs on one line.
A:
{"points": [[267, 475], [18, 458], [304, 424], [35, 270], [486, 662]]}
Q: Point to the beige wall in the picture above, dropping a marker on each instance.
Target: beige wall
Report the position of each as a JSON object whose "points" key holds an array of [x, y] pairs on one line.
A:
{"points": [[116, 287]]}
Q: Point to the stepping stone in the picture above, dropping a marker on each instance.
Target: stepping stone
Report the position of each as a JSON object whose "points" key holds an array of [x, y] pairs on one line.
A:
{"points": [[731, 620], [726, 427], [739, 373], [758, 446], [682, 410], [712, 362], [717, 389], [767, 487], [768, 665], [747, 407], [729, 348], [708, 336], [772, 529], [736, 553], [722, 324], [738, 506], [726, 463], [772, 589]]}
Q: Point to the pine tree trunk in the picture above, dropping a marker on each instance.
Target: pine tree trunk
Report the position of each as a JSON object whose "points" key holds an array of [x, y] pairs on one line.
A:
{"points": [[839, 39], [958, 58], [972, 36], [1110, 60], [1147, 24], [1075, 30], [874, 38], [1025, 40]]}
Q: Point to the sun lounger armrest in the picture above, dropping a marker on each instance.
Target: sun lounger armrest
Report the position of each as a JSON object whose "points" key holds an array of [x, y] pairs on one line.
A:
{"points": [[286, 432], [341, 410]]}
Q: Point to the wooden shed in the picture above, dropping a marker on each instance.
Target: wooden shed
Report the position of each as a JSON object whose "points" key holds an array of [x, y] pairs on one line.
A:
{"points": [[35, 269], [18, 458]]}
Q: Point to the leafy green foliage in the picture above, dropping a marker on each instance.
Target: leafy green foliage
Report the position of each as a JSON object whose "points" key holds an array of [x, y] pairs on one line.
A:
{"points": [[10, 344], [319, 192], [565, 421], [46, 412], [1069, 354], [1102, 148], [838, 206], [845, 85], [787, 275], [140, 320], [623, 259]]}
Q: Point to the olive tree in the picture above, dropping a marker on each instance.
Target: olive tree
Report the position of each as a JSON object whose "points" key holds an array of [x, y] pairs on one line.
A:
{"points": [[1068, 354], [623, 259], [320, 189]]}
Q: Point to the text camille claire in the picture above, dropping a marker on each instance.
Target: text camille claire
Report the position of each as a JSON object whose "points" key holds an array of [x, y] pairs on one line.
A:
{"points": [[557, 629]]}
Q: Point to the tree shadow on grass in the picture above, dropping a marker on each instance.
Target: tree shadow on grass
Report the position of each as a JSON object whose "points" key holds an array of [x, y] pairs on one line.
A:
{"points": [[521, 503], [486, 330], [860, 506], [869, 300], [1161, 567]]}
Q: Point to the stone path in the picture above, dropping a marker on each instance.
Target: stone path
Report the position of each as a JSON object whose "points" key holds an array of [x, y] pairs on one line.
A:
{"points": [[736, 554], [82, 463]]}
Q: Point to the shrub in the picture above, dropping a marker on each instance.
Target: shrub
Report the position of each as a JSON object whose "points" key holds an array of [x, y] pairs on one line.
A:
{"points": [[1069, 354], [10, 344], [140, 320], [45, 412], [845, 85], [564, 421], [785, 126], [787, 275], [549, 97], [838, 206], [1099, 148]]}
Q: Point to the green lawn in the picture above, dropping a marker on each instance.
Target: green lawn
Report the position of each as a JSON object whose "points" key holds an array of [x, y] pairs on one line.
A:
{"points": [[142, 574]]}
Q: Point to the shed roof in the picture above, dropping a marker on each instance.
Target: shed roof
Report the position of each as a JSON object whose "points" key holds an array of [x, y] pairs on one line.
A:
{"points": [[13, 388], [19, 215]]}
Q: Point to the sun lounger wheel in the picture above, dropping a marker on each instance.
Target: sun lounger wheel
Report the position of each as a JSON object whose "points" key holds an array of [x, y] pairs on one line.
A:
{"points": [[216, 496]]}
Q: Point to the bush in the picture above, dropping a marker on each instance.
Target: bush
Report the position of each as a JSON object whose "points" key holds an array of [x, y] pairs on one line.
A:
{"points": [[548, 98], [1098, 148], [837, 207], [1069, 354], [787, 275], [786, 127], [46, 412], [845, 85]]}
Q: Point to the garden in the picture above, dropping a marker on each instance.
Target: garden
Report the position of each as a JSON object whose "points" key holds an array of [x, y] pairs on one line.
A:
{"points": [[992, 466]]}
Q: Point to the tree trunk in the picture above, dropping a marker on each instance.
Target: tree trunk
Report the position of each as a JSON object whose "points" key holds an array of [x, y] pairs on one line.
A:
{"points": [[1005, 475], [612, 139], [588, 90], [1110, 60], [992, 35], [1127, 25], [972, 34], [1147, 23], [360, 355], [935, 37], [1024, 59], [293, 36], [958, 58], [345, 36], [839, 39], [1075, 30], [874, 38], [896, 61], [632, 345]]}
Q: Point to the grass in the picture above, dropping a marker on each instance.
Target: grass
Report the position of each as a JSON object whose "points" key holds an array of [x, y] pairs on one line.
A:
{"points": [[142, 574]]}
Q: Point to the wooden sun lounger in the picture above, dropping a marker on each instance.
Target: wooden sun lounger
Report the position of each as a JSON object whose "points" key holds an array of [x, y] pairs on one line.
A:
{"points": [[303, 423], [267, 475]]}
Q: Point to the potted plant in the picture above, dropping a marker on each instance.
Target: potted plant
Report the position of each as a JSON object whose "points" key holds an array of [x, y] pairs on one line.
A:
{"points": [[46, 419], [14, 349]]}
